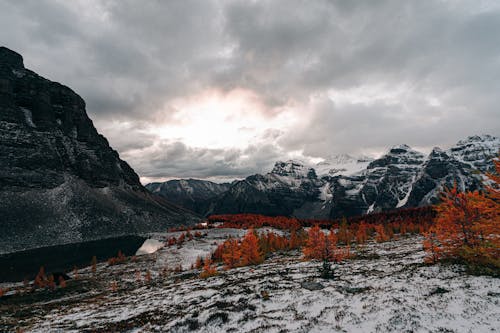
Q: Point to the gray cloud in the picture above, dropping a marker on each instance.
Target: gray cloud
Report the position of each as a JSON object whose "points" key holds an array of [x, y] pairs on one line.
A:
{"points": [[177, 160], [365, 74]]}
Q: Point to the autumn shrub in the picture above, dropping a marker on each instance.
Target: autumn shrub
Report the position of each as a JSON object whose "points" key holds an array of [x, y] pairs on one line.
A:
{"points": [[62, 282], [40, 278], [247, 221], [199, 262], [147, 276], [138, 277], [361, 234], [93, 264], [381, 235], [120, 258], [208, 269]]}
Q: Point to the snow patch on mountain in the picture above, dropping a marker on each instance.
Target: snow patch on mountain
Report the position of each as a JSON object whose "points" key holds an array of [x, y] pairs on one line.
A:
{"points": [[324, 192], [28, 116], [149, 246], [341, 164]]}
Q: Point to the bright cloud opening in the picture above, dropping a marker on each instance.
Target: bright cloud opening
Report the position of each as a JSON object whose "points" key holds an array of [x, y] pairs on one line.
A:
{"points": [[214, 119]]}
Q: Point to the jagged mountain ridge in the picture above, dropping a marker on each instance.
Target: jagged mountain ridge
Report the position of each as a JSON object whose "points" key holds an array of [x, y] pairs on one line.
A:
{"points": [[402, 177], [60, 181], [194, 194]]}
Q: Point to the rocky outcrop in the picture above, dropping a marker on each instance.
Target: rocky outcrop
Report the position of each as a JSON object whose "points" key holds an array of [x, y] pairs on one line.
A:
{"points": [[60, 181]]}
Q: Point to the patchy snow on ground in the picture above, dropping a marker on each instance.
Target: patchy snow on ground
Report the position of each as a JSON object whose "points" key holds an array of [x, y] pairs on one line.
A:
{"points": [[386, 288], [149, 246]]}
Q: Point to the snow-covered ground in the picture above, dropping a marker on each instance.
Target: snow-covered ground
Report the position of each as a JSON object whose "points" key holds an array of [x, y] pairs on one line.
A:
{"points": [[386, 288]]}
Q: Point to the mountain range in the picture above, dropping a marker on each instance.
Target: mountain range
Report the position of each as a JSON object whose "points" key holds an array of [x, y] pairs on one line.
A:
{"points": [[343, 185], [60, 181]]}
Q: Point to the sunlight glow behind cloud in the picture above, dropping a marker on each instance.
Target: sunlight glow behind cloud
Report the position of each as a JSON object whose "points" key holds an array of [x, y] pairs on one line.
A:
{"points": [[215, 119]]}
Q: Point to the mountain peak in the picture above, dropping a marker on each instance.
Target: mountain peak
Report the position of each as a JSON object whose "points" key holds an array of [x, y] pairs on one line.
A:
{"points": [[477, 149], [401, 148], [294, 168], [399, 154], [483, 138], [10, 58]]}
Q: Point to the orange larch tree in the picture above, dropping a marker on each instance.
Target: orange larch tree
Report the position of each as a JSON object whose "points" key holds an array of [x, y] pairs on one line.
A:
{"points": [[250, 251], [315, 245], [361, 234], [467, 227], [344, 235], [231, 254]]}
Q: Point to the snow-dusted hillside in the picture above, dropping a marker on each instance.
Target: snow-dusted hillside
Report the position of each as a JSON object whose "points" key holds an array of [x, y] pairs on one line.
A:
{"points": [[386, 288]]}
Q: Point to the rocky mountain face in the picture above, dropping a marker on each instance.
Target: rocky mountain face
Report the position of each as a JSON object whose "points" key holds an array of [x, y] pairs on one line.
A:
{"points": [[288, 187], [348, 186], [194, 194], [60, 181]]}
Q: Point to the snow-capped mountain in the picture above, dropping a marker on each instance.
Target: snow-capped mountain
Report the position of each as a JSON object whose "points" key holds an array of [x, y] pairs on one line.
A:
{"points": [[343, 185], [282, 191], [384, 184]]}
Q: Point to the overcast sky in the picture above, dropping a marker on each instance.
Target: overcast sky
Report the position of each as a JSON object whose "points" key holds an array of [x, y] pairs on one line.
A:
{"points": [[223, 89]]}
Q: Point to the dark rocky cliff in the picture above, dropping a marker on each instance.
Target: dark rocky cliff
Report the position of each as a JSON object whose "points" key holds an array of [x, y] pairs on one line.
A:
{"points": [[60, 181]]}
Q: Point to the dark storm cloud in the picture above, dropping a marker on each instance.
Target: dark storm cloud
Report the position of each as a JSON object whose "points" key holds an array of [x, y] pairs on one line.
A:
{"points": [[366, 74]]}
